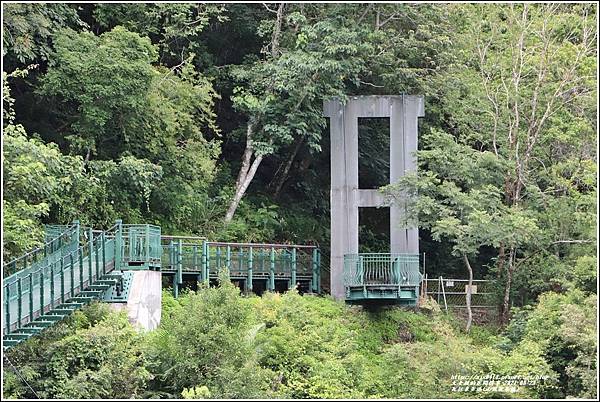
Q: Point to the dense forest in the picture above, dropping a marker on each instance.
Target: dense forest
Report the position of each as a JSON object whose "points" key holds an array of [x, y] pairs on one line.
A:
{"points": [[207, 120]]}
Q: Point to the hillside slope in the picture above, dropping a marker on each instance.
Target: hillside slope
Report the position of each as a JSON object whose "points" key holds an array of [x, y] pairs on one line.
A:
{"points": [[217, 343]]}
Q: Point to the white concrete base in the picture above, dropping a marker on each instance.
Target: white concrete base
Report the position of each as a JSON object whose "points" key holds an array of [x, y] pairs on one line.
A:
{"points": [[144, 302]]}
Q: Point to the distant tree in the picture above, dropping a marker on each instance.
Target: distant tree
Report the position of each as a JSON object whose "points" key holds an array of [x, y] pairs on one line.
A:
{"points": [[28, 30], [522, 86], [313, 53], [459, 199]]}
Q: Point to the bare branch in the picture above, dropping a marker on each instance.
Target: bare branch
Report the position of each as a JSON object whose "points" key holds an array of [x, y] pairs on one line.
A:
{"points": [[364, 14], [269, 9]]}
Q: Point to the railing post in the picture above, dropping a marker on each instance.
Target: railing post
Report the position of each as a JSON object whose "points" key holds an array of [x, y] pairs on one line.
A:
{"points": [[80, 258], [72, 274], [195, 257], [20, 302], [249, 280], [361, 274], [7, 307], [444, 293], [41, 291], [134, 243], [62, 279], [204, 260], [228, 259], [52, 285], [294, 267], [195, 262], [97, 259], [148, 244], [90, 254], [218, 265], [77, 232], [172, 261], [180, 261], [118, 244], [104, 253], [30, 296], [272, 271]]}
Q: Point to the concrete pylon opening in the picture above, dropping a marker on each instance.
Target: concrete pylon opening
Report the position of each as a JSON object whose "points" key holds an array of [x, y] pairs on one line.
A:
{"points": [[403, 112]]}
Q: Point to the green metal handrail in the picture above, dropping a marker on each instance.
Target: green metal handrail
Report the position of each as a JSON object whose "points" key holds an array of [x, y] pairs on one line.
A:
{"points": [[243, 260], [140, 244], [376, 269], [66, 241], [31, 292]]}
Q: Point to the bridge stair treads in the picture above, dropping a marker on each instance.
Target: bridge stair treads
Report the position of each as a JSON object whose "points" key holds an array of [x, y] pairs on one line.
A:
{"points": [[43, 287], [59, 312]]}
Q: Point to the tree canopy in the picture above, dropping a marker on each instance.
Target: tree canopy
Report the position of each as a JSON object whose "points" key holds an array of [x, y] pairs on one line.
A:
{"points": [[207, 120]]}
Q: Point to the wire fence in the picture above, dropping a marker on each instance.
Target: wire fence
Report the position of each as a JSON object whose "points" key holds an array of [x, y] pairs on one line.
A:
{"points": [[453, 292]]}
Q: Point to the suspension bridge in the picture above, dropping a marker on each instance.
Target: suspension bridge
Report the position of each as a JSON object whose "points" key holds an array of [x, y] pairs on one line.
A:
{"points": [[77, 265]]}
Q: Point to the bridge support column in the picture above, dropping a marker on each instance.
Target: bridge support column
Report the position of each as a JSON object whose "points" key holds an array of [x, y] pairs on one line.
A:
{"points": [[249, 287], [346, 197], [144, 303]]}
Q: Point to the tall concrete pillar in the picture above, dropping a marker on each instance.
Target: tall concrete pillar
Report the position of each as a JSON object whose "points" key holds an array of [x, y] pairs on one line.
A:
{"points": [[403, 112]]}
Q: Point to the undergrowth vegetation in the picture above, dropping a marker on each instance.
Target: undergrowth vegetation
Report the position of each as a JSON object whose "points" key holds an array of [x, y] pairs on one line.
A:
{"points": [[216, 343]]}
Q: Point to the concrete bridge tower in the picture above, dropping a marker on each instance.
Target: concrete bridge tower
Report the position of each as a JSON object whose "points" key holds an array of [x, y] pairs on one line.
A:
{"points": [[403, 112]]}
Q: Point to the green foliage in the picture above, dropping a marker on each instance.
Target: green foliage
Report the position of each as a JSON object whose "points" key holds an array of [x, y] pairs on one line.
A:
{"points": [[460, 198], [215, 343], [103, 361], [28, 29], [95, 353], [196, 393], [206, 342], [323, 349], [563, 328], [41, 183], [103, 80], [140, 111], [36, 177], [176, 28], [142, 122]]}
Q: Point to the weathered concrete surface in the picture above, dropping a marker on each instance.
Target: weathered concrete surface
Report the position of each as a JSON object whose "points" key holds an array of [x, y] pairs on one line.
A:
{"points": [[346, 197], [144, 303]]}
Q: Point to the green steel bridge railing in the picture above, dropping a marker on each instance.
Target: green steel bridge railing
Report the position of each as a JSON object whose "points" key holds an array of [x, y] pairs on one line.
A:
{"points": [[39, 288], [70, 270], [141, 246], [246, 261], [382, 276], [60, 242], [77, 264]]}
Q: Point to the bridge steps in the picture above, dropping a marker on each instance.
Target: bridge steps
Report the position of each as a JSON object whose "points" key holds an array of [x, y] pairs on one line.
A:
{"points": [[61, 311], [79, 265]]}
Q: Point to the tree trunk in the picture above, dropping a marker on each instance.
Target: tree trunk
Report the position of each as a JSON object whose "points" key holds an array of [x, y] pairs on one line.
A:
{"points": [[506, 302], [468, 293], [246, 173], [280, 181], [241, 188], [277, 31], [247, 170]]}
